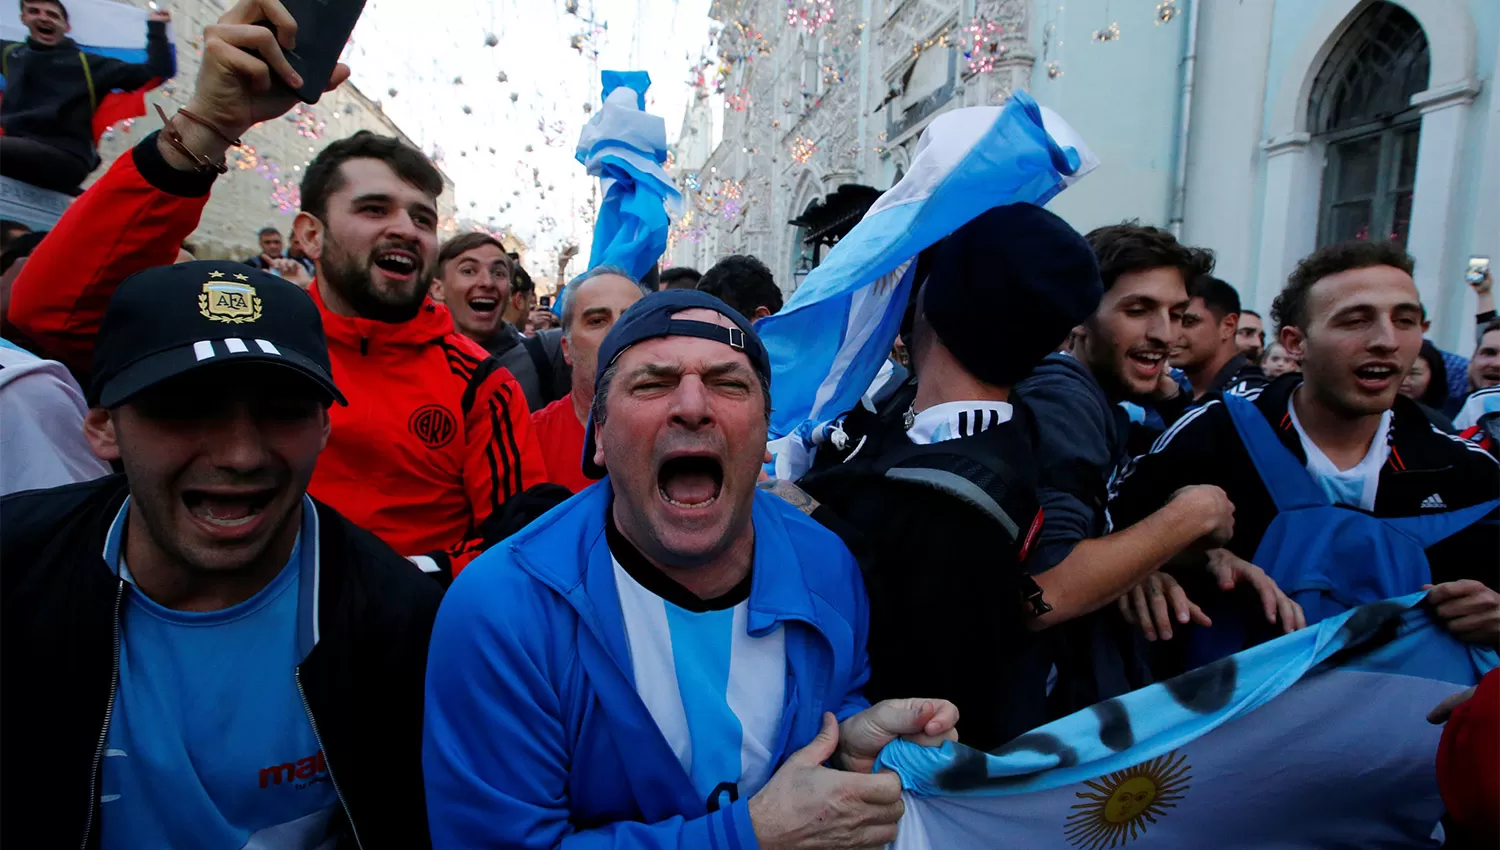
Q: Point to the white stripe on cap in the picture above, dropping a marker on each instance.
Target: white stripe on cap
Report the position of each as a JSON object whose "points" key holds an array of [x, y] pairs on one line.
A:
{"points": [[267, 347], [204, 349], [235, 345]]}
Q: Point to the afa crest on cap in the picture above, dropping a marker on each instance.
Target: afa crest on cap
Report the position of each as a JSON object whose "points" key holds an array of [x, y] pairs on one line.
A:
{"points": [[231, 301]]}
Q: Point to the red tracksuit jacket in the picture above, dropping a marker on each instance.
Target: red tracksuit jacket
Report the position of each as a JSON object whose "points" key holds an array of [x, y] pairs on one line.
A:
{"points": [[436, 436]]}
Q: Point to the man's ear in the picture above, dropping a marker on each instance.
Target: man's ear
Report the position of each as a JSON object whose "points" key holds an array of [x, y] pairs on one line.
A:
{"points": [[99, 430], [1227, 326], [327, 428], [308, 229], [760, 313], [567, 350], [598, 446], [1294, 341], [435, 291]]}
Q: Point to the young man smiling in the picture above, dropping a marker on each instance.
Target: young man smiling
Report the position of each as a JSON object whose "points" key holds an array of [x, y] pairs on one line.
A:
{"points": [[196, 653], [437, 436], [52, 89], [1208, 349], [1351, 313], [474, 280]]}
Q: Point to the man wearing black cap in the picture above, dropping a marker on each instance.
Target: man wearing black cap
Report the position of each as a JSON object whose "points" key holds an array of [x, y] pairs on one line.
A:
{"points": [[643, 664], [943, 502], [196, 648]]}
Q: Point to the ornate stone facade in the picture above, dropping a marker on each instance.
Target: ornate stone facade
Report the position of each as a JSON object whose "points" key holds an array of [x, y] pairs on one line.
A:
{"points": [[808, 111]]}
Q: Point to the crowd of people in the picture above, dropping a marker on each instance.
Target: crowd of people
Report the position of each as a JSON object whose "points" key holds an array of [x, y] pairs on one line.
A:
{"points": [[357, 541]]}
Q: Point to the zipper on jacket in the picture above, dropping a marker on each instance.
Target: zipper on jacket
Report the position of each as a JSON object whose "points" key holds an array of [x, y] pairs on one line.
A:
{"points": [[109, 710], [313, 722], [364, 345]]}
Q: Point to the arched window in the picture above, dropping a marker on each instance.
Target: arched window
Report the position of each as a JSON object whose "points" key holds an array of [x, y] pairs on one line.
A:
{"points": [[1360, 109]]}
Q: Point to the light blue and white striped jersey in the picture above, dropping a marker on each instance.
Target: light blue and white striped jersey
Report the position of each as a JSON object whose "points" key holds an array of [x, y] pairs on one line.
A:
{"points": [[715, 691]]}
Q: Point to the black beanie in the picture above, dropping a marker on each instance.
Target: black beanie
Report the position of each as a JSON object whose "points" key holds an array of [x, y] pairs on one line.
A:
{"points": [[1005, 290]]}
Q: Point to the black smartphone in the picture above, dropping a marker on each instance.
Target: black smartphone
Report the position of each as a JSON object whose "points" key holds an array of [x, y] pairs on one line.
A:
{"points": [[545, 301], [323, 28]]}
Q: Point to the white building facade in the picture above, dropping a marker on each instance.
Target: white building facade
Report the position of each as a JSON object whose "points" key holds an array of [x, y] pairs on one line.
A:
{"points": [[1257, 128]]}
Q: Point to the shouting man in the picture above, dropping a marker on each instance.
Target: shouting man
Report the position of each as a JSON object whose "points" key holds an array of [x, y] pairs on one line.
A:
{"points": [[641, 666]]}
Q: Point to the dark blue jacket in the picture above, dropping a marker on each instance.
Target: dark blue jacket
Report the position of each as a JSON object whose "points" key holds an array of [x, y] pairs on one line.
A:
{"points": [[535, 737]]}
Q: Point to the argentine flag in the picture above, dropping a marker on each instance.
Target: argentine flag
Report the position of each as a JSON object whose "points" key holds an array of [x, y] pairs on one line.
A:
{"points": [[105, 28], [829, 340], [1316, 740], [624, 146]]}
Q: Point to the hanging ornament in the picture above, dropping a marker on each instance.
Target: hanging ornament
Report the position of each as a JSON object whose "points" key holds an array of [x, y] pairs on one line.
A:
{"points": [[1109, 33], [588, 108], [458, 81], [528, 148], [808, 14], [1166, 10], [1054, 70], [802, 149], [502, 77], [514, 96], [571, 7], [467, 110], [492, 150], [391, 92], [490, 39]]}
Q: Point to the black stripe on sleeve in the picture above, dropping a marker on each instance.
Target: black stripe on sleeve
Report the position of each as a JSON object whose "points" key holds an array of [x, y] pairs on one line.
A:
{"points": [[498, 481], [510, 433], [489, 367]]}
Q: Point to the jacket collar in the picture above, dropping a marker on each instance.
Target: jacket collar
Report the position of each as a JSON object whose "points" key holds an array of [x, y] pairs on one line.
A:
{"points": [[432, 322], [309, 573], [1411, 433], [1227, 373], [65, 43]]}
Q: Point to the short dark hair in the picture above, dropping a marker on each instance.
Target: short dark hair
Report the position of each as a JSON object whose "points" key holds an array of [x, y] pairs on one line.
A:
{"points": [[1220, 298], [1487, 327], [681, 277], [1248, 312], [742, 282], [324, 177], [57, 3], [1289, 310], [1437, 385], [520, 282], [468, 242], [1133, 247], [264, 230]]}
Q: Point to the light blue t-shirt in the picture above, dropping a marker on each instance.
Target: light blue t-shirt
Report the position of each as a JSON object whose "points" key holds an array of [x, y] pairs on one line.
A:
{"points": [[714, 690], [209, 743]]}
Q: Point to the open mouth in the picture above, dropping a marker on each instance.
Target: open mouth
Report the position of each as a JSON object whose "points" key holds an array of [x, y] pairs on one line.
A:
{"points": [[1376, 373], [46, 29], [483, 305], [1148, 362], [227, 510], [691, 483], [396, 262]]}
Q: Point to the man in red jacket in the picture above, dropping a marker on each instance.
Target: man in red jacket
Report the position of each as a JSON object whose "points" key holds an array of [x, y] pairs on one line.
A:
{"points": [[437, 436]]}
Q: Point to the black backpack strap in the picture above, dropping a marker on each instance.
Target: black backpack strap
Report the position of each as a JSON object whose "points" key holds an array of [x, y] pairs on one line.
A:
{"points": [[541, 364], [958, 487]]}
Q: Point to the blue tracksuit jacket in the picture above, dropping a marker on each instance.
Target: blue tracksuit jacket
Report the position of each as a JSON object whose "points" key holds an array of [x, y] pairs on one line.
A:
{"points": [[534, 736]]}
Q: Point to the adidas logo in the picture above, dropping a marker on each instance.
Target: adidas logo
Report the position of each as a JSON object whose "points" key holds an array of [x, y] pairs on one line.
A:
{"points": [[1433, 502]]}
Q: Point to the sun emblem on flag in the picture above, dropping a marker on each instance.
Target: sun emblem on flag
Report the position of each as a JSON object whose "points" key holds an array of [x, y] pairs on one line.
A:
{"points": [[1127, 802]]}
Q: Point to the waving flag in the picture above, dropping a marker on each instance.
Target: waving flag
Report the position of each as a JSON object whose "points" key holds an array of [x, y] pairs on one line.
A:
{"points": [[624, 146], [828, 342], [107, 29], [1318, 739]]}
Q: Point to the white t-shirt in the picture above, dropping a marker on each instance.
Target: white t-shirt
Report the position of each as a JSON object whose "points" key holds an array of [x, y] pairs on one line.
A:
{"points": [[715, 691], [953, 419], [1356, 485]]}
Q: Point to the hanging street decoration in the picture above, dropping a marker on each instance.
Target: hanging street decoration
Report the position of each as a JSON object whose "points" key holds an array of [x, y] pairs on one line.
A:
{"points": [[809, 15], [802, 149], [1166, 10], [981, 44]]}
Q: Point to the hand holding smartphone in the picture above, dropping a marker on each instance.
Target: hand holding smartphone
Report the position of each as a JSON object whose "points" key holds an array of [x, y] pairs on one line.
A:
{"points": [[323, 28]]}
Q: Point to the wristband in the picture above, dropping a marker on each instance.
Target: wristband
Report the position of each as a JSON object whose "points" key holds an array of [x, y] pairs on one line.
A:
{"points": [[201, 163]]}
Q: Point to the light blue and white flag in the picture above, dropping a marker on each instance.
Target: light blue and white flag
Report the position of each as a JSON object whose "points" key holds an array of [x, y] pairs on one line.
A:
{"points": [[624, 146], [1316, 740], [104, 28], [828, 342]]}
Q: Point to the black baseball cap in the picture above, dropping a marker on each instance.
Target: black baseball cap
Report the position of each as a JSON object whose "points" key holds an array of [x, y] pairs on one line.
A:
{"points": [[171, 320], [651, 317]]}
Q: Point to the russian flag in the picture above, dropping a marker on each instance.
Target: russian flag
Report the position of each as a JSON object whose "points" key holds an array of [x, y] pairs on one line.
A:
{"points": [[829, 341], [108, 29]]}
